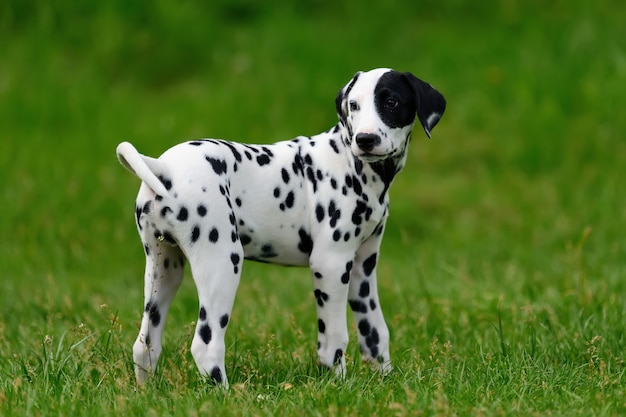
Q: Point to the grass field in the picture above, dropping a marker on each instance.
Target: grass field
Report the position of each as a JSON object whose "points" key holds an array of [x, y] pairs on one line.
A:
{"points": [[503, 272]]}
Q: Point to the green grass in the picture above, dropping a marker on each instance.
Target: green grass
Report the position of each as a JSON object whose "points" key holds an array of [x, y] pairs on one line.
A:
{"points": [[504, 262]]}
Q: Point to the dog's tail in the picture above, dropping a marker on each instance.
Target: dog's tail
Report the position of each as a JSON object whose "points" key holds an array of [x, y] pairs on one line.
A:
{"points": [[145, 168]]}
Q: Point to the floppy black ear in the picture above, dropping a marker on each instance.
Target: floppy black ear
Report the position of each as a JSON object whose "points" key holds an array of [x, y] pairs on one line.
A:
{"points": [[430, 103], [341, 111], [340, 102]]}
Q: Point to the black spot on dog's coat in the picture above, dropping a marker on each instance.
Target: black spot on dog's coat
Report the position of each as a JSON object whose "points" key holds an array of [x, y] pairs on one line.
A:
{"points": [[374, 352], [267, 151], [364, 289], [205, 334], [235, 258], [216, 375], [334, 213], [360, 213], [214, 235], [356, 184], [153, 313], [369, 264], [232, 148], [311, 177], [321, 297], [319, 212], [358, 306], [167, 183], [267, 251], [290, 199], [263, 159], [372, 341], [218, 165], [345, 277], [245, 239], [364, 327], [195, 234], [285, 175], [138, 217], [306, 243], [338, 356]]}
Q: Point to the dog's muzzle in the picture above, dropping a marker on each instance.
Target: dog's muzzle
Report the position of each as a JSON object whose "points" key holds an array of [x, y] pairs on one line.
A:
{"points": [[367, 141]]}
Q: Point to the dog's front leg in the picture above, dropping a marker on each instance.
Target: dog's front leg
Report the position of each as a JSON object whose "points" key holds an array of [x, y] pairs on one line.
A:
{"points": [[331, 276], [364, 302]]}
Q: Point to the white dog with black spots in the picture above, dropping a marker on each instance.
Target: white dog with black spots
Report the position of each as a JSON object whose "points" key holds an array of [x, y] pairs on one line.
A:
{"points": [[319, 201]]}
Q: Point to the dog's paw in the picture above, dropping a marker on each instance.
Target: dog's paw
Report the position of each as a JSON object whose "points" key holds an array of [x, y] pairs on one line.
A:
{"points": [[380, 365], [340, 369]]}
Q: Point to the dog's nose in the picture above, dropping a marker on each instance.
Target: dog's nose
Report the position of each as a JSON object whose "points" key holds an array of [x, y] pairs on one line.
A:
{"points": [[367, 141]]}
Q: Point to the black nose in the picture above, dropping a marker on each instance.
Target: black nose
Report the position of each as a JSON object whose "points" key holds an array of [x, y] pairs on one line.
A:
{"points": [[367, 141]]}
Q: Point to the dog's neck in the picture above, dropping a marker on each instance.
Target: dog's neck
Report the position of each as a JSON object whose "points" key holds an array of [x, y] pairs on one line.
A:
{"points": [[385, 169]]}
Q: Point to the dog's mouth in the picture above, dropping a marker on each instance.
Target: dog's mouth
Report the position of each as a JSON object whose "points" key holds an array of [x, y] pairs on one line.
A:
{"points": [[371, 157], [375, 156]]}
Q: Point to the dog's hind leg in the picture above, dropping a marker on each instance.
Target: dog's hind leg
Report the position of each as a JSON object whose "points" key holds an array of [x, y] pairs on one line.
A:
{"points": [[216, 262], [163, 276]]}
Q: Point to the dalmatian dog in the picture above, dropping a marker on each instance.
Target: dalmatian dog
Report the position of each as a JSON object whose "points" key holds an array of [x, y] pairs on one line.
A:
{"points": [[319, 201]]}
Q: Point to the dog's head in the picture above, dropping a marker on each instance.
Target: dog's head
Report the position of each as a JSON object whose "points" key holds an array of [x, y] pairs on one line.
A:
{"points": [[379, 107]]}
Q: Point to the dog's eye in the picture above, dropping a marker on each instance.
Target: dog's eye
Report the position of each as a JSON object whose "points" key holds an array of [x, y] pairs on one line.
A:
{"points": [[391, 103], [354, 106]]}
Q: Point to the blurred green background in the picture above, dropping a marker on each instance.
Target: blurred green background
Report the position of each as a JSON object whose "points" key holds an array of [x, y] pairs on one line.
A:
{"points": [[518, 197], [530, 152]]}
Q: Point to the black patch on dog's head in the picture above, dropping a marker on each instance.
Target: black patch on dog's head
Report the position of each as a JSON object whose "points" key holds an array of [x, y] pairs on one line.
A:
{"points": [[400, 96], [396, 103]]}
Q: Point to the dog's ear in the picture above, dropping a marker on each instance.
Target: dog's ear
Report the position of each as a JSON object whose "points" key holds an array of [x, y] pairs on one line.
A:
{"points": [[430, 103], [341, 110], [341, 100]]}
